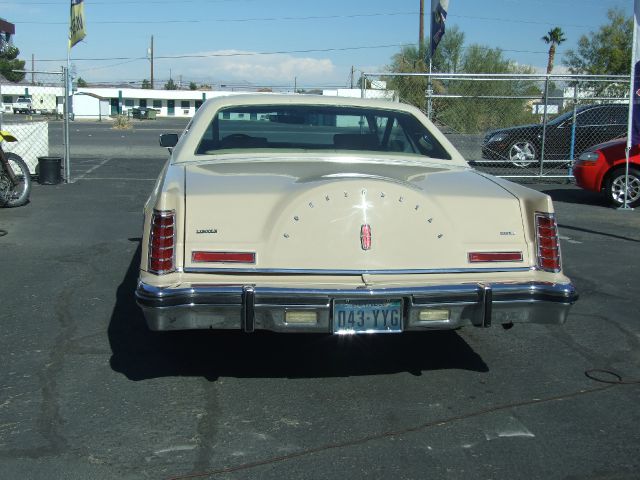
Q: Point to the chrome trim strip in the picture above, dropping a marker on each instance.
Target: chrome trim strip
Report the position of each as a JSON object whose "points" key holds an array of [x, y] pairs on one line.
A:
{"points": [[149, 295], [295, 271], [249, 307]]}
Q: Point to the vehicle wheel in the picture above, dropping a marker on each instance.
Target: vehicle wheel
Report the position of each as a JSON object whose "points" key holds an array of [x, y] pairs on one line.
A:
{"points": [[614, 189], [17, 196], [522, 153]]}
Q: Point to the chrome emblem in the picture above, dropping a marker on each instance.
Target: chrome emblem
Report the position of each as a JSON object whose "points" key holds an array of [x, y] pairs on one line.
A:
{"points": [[365, 237]]}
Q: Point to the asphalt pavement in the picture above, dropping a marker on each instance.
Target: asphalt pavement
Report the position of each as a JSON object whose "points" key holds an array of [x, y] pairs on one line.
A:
{"points": [[86, 391]]}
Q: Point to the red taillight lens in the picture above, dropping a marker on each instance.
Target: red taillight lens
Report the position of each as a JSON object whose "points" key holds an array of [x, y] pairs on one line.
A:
{"points": [[162, 242], [479, 257], [548, 243], [231, 257]]}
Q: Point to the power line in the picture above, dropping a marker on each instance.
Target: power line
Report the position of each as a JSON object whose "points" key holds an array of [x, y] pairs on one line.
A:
{"points": [[231, 54], [288, 18], [511, 20], [126, 2], [278, 52], [224, 20]]}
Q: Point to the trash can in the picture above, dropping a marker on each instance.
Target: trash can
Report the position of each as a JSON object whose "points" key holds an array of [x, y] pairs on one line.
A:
{"points": [[151, 114], [49, 170]]}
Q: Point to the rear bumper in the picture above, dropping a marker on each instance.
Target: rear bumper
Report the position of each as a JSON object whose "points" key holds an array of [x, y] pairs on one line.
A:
{"points": [[249, 308]]}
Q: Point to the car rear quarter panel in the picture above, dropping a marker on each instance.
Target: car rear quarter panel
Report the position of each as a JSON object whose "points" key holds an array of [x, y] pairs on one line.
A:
{"points": [[167, 194]]}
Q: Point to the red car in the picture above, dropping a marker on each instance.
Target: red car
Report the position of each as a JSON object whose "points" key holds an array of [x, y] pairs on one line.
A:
{"points": [[602, 169]]}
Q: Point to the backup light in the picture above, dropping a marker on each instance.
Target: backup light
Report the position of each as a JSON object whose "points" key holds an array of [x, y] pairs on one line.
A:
{"points": [[301, 317], [162, 242], [434, 315]]}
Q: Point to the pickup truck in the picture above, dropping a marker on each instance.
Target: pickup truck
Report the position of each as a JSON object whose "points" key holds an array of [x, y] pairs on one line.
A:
{"points": [[22, 105]]}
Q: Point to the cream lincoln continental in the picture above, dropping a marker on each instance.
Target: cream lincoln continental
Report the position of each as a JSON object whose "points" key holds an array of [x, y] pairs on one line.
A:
{"points": [[345, 216]]}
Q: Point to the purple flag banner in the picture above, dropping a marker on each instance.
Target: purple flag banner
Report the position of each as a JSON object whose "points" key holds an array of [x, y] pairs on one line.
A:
{"points": [[635, 117], [438, 16]]}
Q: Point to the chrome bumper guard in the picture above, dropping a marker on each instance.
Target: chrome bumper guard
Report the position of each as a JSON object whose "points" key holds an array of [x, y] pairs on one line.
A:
{"points": [[248, 307]]}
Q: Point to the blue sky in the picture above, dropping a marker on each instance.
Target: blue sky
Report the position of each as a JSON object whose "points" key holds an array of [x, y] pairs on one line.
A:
{"points": [[231, 36]]}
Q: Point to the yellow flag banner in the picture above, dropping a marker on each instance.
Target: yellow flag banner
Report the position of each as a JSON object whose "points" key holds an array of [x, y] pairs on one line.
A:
{"points": [[76, 23]]}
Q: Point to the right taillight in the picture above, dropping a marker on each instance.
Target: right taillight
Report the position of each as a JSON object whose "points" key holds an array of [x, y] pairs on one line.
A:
{"points": [[162, 242], [548, 242]]}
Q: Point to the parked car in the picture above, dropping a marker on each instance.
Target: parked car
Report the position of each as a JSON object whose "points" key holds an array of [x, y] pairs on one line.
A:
{"points": [[22, 105], [602, 169], [340, 216], [521, 146]]}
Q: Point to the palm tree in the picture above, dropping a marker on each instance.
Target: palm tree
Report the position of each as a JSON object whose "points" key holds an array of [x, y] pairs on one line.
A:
{"points": [[553, 38]]}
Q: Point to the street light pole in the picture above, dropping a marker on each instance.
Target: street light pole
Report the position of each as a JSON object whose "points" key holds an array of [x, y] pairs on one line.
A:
{"points": [[151, 55]]}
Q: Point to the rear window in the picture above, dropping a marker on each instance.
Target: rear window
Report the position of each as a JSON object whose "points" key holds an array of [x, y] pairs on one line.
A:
{"points": [[296, 127]]}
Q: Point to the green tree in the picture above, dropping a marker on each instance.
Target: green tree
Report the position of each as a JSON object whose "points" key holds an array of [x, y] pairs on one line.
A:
{"points": [[170, 85], [193, 86], [479, 105], [553, 38], [9, 62], [81, 82], [411, 89], [447, 59], [606, 51], [448, 56], [471, 106], [146, 84]]}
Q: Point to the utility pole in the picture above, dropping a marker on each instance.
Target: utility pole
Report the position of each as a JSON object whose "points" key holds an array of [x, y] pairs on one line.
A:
{"points": [[33, 69], [352, 77], [421, 30], [151, 58]]}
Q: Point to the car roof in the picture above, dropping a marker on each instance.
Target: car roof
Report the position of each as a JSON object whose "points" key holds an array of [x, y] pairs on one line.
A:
{"points": [[184, 150], [288, 99]]}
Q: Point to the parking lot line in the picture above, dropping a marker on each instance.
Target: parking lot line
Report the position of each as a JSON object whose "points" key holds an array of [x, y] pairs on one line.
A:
{"points": [[95, 167], [120, 179]]}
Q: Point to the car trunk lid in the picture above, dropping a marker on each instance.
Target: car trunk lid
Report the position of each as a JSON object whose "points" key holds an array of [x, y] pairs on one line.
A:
{"points": [[332, 215]]}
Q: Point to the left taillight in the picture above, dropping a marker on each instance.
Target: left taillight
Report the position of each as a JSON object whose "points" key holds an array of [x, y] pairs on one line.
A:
{"points": [[548, 242], [162, 242]]}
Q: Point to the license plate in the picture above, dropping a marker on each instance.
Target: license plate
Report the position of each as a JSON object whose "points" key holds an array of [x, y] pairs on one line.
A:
{"points": [[367, 316]]}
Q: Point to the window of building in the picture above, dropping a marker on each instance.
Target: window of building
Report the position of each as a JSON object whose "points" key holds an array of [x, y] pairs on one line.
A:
{"points": [[143, 103], [185, 104], [157, 104], [128, 102], [7, 99]]}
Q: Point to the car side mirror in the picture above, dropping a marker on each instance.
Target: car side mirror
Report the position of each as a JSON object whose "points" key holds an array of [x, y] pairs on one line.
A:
{"points": [[168, 140]]}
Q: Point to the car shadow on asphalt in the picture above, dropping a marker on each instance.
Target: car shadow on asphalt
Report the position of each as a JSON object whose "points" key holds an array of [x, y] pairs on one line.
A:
{"points": [[141, 354], [576, 195]]}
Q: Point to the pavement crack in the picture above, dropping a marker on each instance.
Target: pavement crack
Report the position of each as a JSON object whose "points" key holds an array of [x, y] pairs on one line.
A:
{"points": [[207, 428], [50, 418]]}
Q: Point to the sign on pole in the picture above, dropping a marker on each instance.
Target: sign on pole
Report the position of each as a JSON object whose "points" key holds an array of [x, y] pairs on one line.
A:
{"points": [[633, 129], [76, 23], [438, 16]]}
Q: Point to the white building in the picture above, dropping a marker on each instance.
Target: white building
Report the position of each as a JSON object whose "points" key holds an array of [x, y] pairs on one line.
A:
{"points": [[98, 103]]}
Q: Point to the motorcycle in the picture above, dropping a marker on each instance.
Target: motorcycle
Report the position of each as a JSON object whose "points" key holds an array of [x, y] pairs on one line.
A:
{"points": [[15, 180]]}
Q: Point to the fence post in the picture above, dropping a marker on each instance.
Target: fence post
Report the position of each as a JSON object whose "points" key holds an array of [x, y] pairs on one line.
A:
{"points": [[429, 93], [573, 128], [544, 123], [65, 109]]}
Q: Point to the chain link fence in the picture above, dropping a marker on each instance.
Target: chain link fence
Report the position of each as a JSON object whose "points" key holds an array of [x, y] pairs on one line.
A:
{"points": [[33, 111], [516, 125]]}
